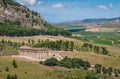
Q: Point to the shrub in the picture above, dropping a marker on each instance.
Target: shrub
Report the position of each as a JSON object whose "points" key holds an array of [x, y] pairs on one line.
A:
{"points": [[14, 64], [51, 62], [12, 76], [8, 76], [7, 69], [91, 75]]}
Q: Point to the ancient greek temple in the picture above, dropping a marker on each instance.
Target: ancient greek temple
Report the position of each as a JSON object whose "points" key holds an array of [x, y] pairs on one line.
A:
{"points": [[36, 53]]}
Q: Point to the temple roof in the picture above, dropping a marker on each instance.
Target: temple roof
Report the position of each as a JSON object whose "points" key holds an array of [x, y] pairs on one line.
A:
{"points": [[31, 48]]}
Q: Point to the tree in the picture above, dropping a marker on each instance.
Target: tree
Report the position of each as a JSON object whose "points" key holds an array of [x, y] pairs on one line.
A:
{"points": [[3, 41], [27, 15], [8, 76], [87, 64], [67, 64], [29, 41], [98, 68], [33, 41], [110, 71], [7, 69], [76, 62], [104, 51], [51, 62], [116, 74], [91, 75], [12, 76], [104, 70], [71, 45], [14, 64], [12, 29], [23, 43], [65, 45], [39, 41], [15, 76]]}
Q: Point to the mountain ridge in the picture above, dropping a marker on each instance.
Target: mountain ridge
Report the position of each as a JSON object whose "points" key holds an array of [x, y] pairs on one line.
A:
{"points": [[91, 22]]}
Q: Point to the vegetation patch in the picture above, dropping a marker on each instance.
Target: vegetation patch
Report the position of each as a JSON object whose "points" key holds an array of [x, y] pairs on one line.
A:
{"points": [[56, 45], [32, 70], [84, 65], [11, 29]]}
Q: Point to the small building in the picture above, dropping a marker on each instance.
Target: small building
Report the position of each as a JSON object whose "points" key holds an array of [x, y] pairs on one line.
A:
{"points": [[36, 53]]}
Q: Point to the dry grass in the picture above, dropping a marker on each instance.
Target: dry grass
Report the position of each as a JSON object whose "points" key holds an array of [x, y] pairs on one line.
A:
{"points": [[32, 70], [106, 61], [36, 38], [113, 60], [113, 51]]}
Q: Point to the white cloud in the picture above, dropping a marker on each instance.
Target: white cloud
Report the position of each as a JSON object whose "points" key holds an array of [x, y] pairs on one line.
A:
{"points": [[105, 7], [28, 2], [110, 5], [39, 2], [58, 5]]}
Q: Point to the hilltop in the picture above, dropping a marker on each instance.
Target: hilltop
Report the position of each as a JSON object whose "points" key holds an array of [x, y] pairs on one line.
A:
{"points": [[13, 12]]}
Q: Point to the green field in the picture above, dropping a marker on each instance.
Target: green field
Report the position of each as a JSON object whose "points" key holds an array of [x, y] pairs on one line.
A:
{"points": [[105, 38], [106, 42]]}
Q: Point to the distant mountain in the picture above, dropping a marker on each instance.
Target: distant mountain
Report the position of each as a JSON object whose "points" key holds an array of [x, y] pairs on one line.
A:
{"points": [[100, 20], [69, 23], [13, 12], [92, 22]]}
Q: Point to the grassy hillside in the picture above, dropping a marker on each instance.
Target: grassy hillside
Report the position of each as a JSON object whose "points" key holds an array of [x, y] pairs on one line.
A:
{"points": [[112, 59], [32, 70]]}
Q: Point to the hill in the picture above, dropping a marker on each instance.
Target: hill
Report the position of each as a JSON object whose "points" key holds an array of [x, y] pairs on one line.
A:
{"points": [[92, 22], [32, 70], [18, 20], [110, 60], [13, 12]]}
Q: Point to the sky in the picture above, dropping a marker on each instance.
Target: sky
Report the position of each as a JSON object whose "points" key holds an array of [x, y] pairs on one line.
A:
{"points": [[69, 10]]}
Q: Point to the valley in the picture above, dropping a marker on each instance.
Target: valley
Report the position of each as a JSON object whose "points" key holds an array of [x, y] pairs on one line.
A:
{"points": [[32, 48]]}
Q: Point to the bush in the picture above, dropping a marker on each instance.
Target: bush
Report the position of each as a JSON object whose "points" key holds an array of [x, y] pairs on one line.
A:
{"points": [[41, 62], [27, 15], [12, 76], [8, 76], [98, 68], [14, 64], [7, 69], [91, 75], [68, 62], [51, 62]]}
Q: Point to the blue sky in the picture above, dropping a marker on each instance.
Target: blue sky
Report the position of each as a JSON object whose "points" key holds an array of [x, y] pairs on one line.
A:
{"points": [[69, 10]]}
